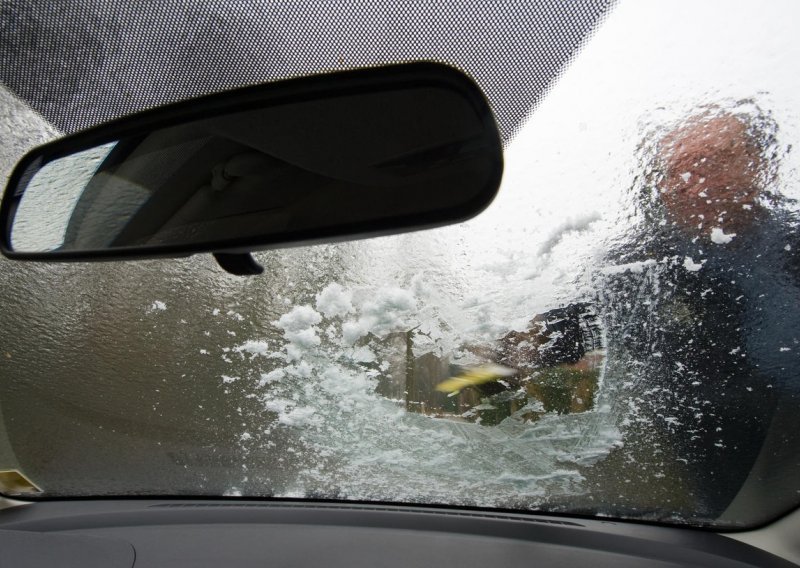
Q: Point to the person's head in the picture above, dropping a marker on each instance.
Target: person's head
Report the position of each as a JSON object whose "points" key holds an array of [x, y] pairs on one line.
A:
{"points": [[711, 168]]}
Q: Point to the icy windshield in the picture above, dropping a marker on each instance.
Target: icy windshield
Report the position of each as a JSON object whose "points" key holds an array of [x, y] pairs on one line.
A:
{"points": [[617, 335]]}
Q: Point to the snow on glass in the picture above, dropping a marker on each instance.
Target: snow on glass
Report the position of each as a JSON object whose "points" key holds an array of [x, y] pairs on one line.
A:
{"points": [[307, 366], [609, 242]]}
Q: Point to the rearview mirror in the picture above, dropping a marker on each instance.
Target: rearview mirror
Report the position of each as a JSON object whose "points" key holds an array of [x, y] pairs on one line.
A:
{"points": [[330, 157]]}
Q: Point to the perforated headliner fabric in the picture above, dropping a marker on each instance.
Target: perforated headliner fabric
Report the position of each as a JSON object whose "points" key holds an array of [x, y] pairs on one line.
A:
{"points": [[82, 62]]}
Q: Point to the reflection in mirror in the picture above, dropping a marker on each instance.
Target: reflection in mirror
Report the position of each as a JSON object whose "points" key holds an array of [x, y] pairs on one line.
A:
{"points": [[50, 198], [354, 163]]}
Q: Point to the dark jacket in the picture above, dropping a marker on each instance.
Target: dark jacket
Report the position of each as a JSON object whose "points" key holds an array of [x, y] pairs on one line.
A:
{"points": [[703, 341]]}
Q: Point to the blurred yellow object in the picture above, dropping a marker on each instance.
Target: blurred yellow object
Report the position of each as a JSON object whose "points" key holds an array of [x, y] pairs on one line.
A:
{"points": [[474, 376], [14, 482]]}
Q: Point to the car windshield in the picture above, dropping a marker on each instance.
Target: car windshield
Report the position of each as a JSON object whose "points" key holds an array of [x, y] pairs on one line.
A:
{"points": [[617, 335]]}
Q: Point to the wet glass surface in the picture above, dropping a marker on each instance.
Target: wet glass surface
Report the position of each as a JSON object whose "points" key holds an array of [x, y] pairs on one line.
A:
{"points": [[619, 354]]}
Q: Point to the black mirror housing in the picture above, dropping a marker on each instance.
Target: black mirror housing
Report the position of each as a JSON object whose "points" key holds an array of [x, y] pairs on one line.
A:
{"points": [[346, 155]]}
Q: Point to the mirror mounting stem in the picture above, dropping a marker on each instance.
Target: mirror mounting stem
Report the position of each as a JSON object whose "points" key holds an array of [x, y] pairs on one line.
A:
{"points": [[238, 264]]}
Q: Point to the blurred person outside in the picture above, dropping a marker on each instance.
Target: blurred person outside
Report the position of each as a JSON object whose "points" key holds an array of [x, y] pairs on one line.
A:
{"points": [[699, 309]]}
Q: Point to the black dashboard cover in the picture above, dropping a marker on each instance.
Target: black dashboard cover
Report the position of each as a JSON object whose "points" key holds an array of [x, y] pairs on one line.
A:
{"points": [[294, 533]]}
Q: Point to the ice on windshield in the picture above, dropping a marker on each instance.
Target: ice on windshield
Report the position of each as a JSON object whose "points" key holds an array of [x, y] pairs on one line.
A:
{"points": [[615, 335]]}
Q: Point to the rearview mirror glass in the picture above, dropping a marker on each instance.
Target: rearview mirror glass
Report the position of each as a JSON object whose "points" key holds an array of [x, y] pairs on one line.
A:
{"points": [[344, 155]]}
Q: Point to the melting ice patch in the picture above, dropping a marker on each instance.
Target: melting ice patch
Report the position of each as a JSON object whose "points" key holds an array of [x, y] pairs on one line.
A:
{"points": [[634, 267], [334, 300], [300, 318], [692, 266], [719, 237], [389, 310], [253, 348], [299, 330], [354, 443]]}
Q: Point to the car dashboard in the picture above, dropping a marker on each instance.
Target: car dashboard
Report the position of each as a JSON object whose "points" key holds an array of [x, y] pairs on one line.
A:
{"points": [[150, 533]]}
